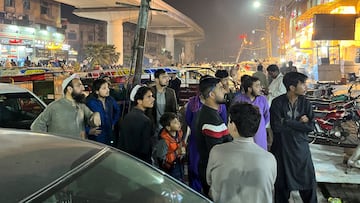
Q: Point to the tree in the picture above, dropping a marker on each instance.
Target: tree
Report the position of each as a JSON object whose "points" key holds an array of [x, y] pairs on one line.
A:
{"points": [[101, 54]]}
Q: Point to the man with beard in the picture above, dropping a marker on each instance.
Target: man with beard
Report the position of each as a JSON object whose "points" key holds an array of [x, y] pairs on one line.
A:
{"points": [[291, 120], [276, 87], [252, 88], [165, 99], [210, 127], [69, 115]]}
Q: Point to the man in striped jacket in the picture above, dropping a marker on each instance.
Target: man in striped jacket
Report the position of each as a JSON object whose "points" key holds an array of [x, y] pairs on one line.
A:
{"points": [[210, 127]]}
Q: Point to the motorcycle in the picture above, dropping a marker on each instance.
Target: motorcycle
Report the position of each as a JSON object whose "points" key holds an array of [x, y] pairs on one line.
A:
{"points": [[330, 117]]}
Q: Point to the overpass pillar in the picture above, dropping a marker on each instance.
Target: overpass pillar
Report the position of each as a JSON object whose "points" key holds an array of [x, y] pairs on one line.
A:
{"points": [[170, 44], [115, 36], [189, 52]]}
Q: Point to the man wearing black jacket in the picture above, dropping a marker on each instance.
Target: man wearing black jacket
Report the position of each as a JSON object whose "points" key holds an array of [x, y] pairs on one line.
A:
{"points": [[136, 129], [210, 127], [165, 99], [291, 119]]}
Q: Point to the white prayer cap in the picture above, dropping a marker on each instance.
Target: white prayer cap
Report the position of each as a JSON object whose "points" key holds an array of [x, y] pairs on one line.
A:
{"points": [[133, 92], [68, 80]]}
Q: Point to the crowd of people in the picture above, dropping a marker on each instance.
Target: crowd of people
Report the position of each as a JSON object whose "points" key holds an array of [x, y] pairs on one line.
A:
{"points": [[246, 146]]}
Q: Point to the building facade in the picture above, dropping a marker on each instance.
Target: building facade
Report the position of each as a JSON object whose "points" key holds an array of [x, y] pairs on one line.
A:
{"points": [[31, 29], [77, 35]]}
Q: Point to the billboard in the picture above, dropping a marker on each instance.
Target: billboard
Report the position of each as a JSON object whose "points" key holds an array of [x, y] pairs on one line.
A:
{"points": [[334, 27]]}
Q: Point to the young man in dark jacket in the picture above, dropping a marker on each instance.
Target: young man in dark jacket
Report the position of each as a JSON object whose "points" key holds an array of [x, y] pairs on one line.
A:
{"points": [[165, 99], [291, 119], [136, 129]]}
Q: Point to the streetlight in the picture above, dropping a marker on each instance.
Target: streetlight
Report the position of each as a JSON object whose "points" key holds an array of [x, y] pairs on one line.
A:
{"points": [[256, 4], [270, 29]]}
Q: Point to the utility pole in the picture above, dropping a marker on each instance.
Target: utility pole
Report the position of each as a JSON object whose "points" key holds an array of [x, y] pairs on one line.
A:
{"points": [[241, 49], [139, 41]]}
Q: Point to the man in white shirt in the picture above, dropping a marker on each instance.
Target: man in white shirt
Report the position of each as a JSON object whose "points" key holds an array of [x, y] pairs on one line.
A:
{"points": [[241, 171], [276, 87]]}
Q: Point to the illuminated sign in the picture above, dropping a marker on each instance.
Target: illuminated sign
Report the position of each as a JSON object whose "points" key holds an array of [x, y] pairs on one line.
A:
{"points": [[15, 41]]}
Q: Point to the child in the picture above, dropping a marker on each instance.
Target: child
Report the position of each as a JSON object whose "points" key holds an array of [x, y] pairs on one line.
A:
{"points": [[171, 147]]}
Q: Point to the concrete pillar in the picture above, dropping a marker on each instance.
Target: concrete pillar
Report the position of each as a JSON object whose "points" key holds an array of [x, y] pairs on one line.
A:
{"points": [[115, 36], [170, 44], [189, 52]]}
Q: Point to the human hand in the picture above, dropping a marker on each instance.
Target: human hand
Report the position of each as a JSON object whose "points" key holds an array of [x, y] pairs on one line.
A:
{"points": [[97, 119], [304, 119], [95, 131]]}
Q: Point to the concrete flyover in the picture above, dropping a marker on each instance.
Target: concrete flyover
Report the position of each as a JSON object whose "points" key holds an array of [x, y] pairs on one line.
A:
{"points": [[173, 24]]}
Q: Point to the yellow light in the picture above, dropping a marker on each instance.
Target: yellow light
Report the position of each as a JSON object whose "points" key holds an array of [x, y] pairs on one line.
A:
{"points": [[53, 46], [344, 10]]}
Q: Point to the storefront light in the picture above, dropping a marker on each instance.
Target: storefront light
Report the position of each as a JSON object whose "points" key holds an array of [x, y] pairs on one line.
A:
{"points": [[57, 35], [13, 28], [344, 10], [324, 50], [30, 30], [65, 47], [21, 48], [44, 32], [292, 42]]}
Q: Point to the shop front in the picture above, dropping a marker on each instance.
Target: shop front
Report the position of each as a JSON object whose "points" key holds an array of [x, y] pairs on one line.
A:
{"points": [[325, 59], [20, 44]]}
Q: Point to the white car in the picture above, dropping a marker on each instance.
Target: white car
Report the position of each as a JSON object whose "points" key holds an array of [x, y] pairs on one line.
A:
{"points": [[38, 167], [19, 107]]}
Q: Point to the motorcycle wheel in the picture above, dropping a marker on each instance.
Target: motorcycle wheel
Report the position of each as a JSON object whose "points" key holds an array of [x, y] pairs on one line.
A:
{"points": [[312, 137]]}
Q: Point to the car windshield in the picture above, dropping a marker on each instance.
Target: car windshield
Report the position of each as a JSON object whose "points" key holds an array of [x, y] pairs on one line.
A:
{"points": [[119, 178], [18, 110]]}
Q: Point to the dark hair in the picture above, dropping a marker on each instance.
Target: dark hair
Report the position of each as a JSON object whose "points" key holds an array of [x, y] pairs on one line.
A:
{"points": [[260, 67], [141, 93], [273, 68], [221, 74], [248, 82], [242, 81], [204, 77], [246, 118], [166, 118], [293, 78], [159, 72], [102, 76], [97, 85], [207, 85]]}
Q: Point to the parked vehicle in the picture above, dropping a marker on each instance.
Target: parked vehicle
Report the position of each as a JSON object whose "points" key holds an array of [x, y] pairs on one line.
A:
{"points": [[330, 116], [39, 167], [19, 107]]}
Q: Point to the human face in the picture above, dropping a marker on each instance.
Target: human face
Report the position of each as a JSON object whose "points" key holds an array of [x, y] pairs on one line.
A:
{"points": [[272, 74], [225, 82], [175, 125], [163, 80], [103, 91], [256, 88], [219, 93], [148, 101], [76, 91], [300, 89], [77, 86]]}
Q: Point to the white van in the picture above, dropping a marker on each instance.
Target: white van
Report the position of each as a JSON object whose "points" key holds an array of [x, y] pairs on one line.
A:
{"points": [[19, 107]]}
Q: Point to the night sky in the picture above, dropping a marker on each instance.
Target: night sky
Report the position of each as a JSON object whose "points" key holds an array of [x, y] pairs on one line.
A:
{"points": [[223, 21]]}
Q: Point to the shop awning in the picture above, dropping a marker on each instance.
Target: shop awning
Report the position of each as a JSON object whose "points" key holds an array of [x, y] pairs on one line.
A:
{"points": [[326, 8]]}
